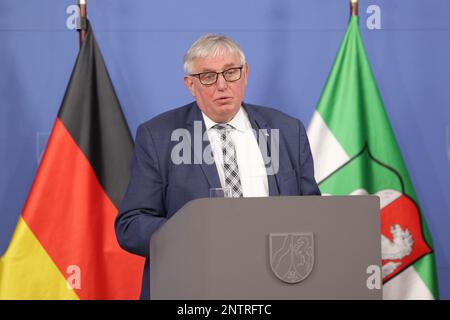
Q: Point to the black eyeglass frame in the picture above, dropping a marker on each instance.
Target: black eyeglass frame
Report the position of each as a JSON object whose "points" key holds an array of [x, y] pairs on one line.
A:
{"points": [[217, 75]]}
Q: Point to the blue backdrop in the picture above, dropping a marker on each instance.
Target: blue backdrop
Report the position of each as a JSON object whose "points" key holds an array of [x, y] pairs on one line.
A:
{"points": [[290, 46]]}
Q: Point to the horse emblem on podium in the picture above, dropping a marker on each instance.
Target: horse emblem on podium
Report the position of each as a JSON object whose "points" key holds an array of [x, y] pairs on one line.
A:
{"points": [[291, 256]]}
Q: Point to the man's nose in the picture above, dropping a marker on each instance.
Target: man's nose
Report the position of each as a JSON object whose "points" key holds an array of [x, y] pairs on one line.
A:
{"points": [[221, 82]]}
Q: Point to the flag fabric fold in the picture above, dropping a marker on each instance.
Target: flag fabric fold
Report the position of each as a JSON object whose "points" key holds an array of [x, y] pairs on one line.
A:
{"points": [[64, 245], [355, 153]]}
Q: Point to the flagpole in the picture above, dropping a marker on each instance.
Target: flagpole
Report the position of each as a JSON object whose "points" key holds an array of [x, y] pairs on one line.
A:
{"points": [[354, 8], [82, 25]]}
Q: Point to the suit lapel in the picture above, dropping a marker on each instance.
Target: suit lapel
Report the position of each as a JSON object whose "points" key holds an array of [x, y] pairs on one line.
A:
{"points": [[258, 122], [193, 122], [196, 125]]}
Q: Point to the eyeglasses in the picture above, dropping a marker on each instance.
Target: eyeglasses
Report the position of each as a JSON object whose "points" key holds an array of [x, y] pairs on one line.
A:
{"points": [[210, 77]]}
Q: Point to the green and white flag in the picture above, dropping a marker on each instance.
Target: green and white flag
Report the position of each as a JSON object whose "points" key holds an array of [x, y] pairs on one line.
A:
{"points": [[356, 153]]}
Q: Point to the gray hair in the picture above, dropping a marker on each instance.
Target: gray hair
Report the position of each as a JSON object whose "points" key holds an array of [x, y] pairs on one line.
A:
{"points": [[211, 45]]}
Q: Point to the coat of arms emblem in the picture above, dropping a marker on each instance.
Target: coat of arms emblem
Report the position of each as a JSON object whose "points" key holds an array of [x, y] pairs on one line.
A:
{"points": [[291, 256]]}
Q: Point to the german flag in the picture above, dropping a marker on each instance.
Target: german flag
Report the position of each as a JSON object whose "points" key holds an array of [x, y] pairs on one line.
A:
{"points": [[64, 245]]}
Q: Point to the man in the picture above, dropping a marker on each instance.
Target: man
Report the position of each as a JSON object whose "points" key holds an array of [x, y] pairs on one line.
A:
{"points": [[244, 161]]}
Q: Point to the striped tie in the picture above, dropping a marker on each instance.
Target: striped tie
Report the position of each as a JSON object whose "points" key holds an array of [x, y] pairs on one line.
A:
{"points": [[230, 166]]}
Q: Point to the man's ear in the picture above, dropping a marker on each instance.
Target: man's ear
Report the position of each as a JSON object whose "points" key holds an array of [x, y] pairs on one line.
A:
{"points": [[189, 84], [245, 71]]}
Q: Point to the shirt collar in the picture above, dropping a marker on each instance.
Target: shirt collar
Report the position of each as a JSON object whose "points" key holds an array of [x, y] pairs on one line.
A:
{"points": [[239, 122]]}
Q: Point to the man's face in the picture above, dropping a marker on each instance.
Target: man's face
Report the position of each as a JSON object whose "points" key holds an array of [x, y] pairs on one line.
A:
{"points": [[221, 100]]}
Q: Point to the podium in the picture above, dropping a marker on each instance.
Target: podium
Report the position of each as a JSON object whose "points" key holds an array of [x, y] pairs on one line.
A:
{"points": [[299, 247]]}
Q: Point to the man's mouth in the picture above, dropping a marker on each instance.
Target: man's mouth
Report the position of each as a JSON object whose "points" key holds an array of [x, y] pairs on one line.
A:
{"points": [[224, 99]]}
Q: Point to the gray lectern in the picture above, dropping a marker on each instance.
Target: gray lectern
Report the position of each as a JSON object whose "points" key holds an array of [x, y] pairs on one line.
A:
{"points": [[269, 248]]}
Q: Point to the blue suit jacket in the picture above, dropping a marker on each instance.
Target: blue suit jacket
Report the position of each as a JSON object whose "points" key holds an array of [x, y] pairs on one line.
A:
{"points": [[158, 187]]}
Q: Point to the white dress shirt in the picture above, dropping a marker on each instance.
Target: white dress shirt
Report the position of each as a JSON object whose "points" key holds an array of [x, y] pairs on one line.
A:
{"points": [[250, 162]]}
